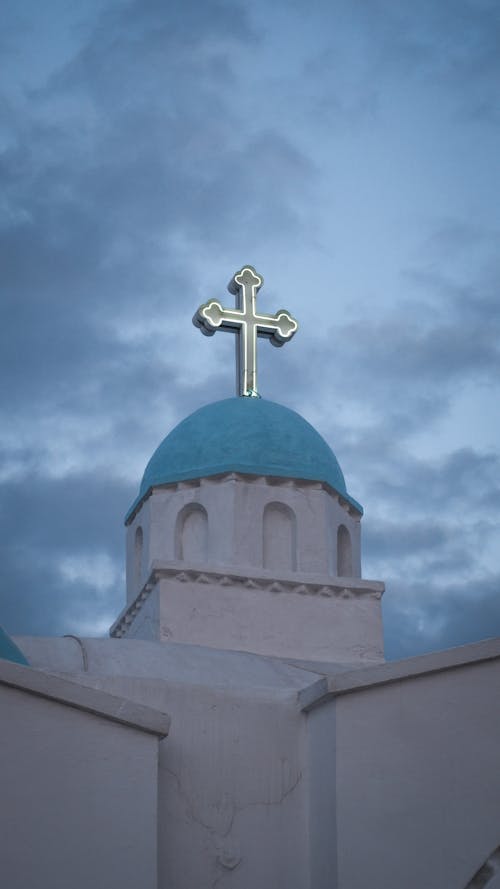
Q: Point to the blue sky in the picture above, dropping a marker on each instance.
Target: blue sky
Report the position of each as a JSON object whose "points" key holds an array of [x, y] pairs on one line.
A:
{"points": [[349, 151]]}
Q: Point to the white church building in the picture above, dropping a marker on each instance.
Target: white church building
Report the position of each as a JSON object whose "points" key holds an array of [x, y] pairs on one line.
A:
{"points": [[240, 728]]}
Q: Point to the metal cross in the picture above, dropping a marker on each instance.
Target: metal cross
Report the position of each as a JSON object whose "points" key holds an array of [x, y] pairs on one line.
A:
{"points": [[247, 324]]}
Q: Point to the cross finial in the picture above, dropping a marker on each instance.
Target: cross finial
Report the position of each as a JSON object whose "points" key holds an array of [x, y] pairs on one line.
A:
{"points": [[247, 325]]}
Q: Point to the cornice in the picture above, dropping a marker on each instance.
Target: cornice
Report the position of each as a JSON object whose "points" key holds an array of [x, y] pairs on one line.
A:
{"points": [[272, 481], [298, 584]]}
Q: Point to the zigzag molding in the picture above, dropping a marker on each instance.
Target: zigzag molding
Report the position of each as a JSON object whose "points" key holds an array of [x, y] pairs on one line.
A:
{"points": [[355, 590], [249, 479]]}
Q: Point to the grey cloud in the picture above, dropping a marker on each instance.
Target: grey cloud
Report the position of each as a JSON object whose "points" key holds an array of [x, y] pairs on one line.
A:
{"points": [[63, 513], [434, 558], [462, 476], [454, 37], [137, 161], [127, 149], [420, 617], [43, 522], [395, 540], [405, 366], [456, 237], [426, 551], [453, 45], [464, 483], [420, 353]]}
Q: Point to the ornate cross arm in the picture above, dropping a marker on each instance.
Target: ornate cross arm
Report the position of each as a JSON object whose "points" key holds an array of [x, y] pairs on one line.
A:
{"points": [[247, 324]]}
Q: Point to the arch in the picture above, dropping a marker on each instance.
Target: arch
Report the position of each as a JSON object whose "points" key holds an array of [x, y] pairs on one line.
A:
{"points": [[138, 550], [344, 552], [191, 534], [279, 527]]}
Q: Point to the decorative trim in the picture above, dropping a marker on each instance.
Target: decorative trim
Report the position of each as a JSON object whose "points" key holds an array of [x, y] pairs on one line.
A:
{"points": [[344, 588], [249, 478]]}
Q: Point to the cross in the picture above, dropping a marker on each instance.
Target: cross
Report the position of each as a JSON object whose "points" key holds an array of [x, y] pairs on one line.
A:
{"points": [[247, 324]]}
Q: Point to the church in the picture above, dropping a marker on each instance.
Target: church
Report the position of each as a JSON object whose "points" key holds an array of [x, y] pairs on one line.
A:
{"points": [[240, 728]]}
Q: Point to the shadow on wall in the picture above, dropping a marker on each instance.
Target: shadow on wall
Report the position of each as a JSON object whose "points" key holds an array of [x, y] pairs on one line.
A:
{"points": [[138, 548], [191, 534], [279, 545], [344, 552], [486, 873]]}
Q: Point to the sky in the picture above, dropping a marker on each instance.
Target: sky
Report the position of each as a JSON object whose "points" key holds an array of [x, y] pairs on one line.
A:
{"points": [[349, 151]]}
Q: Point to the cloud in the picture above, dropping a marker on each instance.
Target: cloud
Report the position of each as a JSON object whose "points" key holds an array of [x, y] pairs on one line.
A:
{"points": [[57, 535], [114, 172], [95, 569], [435, 57], [454, 43], [149, 152], [418, 618], [130, 150]]}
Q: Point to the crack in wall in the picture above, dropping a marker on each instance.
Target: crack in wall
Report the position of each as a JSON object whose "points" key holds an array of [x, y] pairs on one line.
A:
{"points": [[227, 858]]}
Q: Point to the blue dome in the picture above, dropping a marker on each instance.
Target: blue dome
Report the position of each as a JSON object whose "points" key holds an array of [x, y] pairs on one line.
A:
{"points": [[9, 650], [247, 435]]}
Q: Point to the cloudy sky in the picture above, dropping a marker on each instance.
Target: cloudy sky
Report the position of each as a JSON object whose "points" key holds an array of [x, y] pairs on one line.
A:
{"points": [[349, 150]]}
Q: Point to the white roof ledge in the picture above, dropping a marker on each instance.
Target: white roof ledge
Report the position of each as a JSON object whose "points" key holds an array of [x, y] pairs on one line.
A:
{"points": [[90, 700], [330, 687]]}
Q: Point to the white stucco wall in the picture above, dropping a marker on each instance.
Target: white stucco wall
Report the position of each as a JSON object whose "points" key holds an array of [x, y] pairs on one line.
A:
{"points": [[233, 775], [235, 507], [418, 780], [272, 620], [232, 787], [276, 775], [146, 622], [78, 796], [321, 798], [269, 531], [280, 614], [231, 792]]}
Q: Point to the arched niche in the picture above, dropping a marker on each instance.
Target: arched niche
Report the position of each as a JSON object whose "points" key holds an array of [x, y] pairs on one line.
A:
{"points": [[279, 527], [344, 552], [138, 550], [191, 534]]}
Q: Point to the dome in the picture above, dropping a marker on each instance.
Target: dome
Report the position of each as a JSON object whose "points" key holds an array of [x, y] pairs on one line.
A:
{"points": [[9, 650], [248, 435]]}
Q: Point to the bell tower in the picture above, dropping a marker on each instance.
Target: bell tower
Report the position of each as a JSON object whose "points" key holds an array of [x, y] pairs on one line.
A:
{"points": [[243, 535]]}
